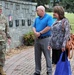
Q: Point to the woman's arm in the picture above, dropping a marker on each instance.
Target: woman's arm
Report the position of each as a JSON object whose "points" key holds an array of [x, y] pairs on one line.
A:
{"points": [[66, 33]]}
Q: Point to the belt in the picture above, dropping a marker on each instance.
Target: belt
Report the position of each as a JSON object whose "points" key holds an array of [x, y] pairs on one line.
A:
{"points": [[42, 37]]}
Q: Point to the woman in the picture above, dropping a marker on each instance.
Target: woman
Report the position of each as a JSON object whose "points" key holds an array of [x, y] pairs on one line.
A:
{"points": [[60, 33]]}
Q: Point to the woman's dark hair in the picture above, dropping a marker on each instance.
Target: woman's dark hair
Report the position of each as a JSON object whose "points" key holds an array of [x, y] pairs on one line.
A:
{"points": [[60, 11]]}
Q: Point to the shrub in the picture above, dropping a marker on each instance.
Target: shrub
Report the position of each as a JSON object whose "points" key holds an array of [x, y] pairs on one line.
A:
{"points": [[48, 9], [28, 39]]}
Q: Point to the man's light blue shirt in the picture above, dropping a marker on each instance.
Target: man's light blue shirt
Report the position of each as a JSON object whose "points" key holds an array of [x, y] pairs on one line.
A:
{"points": [[42, 22]]}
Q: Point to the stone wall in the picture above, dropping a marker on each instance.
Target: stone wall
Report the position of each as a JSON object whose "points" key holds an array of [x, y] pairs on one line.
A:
{"points": [[20, 17]]}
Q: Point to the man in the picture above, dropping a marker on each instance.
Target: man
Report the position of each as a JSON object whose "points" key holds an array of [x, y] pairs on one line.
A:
{"points": [[41, 29], [3, 38]]}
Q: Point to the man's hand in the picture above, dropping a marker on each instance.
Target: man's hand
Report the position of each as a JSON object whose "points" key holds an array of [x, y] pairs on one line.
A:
{"points": [[49, 47], [37, 34]]}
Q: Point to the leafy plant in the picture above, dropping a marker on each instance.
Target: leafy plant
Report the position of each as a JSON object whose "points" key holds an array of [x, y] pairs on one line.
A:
{"points": [[28, 39]]}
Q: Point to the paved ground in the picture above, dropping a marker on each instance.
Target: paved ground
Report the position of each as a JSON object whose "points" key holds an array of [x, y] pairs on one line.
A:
{"points": [[23, 64]]}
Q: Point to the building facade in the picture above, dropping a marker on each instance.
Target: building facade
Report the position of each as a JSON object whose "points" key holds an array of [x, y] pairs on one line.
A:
{"points": [[20, 16]]}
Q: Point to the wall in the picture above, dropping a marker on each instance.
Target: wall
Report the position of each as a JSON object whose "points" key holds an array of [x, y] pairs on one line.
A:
{"points": [[20, 17]]}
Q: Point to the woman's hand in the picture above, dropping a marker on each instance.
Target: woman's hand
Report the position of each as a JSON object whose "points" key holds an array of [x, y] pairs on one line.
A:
{"points": [[63, 49]]}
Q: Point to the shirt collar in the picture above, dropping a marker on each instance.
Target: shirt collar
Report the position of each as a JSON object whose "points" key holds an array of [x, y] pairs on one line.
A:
{"points": [[42, 17]]}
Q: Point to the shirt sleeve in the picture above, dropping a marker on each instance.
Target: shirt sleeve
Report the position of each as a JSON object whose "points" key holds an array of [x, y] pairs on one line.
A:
{"points": [[34, 24], [7, 29], [67, 33], [50, 21]]}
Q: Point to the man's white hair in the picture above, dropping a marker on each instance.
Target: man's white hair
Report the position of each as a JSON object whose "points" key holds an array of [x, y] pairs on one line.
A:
{"points": [[41, 7]]}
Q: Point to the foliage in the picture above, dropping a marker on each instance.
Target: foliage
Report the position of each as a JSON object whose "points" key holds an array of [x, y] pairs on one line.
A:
{"points": [[68, 5], [41, 2], [71, 20], [44, 3], [50, 10], [28, 39]]}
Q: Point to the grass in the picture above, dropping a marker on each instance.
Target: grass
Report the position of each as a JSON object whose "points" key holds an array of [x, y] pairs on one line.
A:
{"points": [[70, 17]]}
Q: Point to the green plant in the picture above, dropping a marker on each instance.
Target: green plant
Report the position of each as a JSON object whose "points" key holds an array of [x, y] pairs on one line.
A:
{"points": [[28, 39]]}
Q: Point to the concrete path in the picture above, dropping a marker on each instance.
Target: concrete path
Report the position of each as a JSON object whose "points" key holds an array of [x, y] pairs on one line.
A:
{"points": [[23, 64]]}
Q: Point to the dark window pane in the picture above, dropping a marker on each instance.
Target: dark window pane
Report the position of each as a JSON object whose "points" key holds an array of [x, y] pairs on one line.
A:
{"points": [[17, 23], [23, 22], [10, 23], [29, 22]]}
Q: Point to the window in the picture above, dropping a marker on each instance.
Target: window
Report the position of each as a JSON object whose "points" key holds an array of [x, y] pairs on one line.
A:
{"points": [[17, 7], [11, 5], [29, 22], [6, 5], [23, 22], [10, 23], [17, 23]]}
